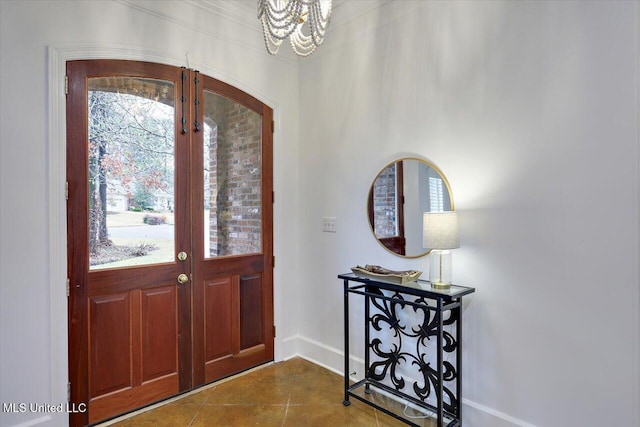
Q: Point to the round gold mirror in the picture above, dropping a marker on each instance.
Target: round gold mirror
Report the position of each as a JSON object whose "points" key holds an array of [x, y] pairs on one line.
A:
{"points": [[399, 195]]}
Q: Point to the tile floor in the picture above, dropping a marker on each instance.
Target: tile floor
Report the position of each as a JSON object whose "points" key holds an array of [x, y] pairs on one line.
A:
{"points": [[291, 393]]}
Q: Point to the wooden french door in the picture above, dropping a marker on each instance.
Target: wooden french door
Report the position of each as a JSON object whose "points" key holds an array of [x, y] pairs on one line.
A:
{"points": [[169, 219]]}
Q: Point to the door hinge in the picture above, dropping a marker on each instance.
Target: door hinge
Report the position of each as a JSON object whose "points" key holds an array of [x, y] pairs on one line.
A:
{"points": [[273, 197], [274, 331], [273, 126], [68, 392], [66, 190], [273, 261], [68, 287], [66, 85], [196, 80]]}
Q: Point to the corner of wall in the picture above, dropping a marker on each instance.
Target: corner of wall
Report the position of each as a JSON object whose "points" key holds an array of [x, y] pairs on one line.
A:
{"points": [[474, 414], [636, 320]]}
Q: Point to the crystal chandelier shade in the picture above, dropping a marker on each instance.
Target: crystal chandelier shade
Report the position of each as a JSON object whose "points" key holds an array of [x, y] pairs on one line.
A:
{"points": [[303, 21]]}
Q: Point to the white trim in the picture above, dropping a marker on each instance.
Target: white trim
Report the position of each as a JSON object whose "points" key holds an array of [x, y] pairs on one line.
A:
{"points": [[504, 418], [636, 313], [57, 231], [58, 55], [38, 421]]}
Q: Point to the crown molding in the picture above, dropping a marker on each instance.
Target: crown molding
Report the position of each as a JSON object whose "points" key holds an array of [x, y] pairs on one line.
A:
{"points": [[230, 11], [243, 13], [346, 11], [233, 10]]}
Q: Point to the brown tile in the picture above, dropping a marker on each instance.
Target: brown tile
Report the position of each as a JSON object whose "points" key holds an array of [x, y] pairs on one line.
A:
{"points": [[317, 386], [240, 415], [197, 398], [164, 416], [291, 393], [355, 415], [255, 388], [291, 367]]}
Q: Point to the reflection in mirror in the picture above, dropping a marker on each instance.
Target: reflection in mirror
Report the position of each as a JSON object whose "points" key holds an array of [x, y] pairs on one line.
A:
{"points": [[399, 195]]}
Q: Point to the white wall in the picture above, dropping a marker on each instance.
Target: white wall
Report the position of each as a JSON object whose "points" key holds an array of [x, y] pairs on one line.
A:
{"points": [[519, 103], [36, 34], [531, 111]]}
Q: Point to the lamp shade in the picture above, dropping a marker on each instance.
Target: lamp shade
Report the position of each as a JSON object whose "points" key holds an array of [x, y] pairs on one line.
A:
{"points": [[440, 230]]}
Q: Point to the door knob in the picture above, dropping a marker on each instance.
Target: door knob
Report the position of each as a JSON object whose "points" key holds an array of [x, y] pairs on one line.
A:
{"points": [[183, 278]]}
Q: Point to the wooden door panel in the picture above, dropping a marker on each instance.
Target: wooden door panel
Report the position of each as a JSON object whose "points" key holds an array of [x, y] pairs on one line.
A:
{"points": [[133, 350], [131, 398], [238, 362], [127, 279], [159, 332], [110, 338], [251, 319], [218, 319], [234, 325], [231, 266]]}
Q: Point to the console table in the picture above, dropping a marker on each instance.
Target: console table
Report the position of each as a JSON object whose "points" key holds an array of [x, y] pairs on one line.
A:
{"points": [[413, 338]]}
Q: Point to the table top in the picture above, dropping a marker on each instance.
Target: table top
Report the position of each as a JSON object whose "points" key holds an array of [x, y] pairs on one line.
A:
{"points": [[418, 287]]}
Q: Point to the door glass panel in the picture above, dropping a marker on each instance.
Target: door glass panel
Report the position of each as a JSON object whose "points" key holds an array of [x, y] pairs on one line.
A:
{"points": [[131, 172], [232, 178]]}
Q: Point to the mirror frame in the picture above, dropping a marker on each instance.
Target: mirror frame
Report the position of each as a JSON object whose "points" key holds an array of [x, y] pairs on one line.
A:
{"points": [[370, 200]]}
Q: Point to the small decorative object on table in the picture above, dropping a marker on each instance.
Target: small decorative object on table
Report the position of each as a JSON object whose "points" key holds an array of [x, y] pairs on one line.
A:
{"points": [[376, 272]]}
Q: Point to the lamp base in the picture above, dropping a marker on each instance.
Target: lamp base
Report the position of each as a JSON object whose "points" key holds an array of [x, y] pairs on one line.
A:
{"points": [[440, 269], [441, 285]]}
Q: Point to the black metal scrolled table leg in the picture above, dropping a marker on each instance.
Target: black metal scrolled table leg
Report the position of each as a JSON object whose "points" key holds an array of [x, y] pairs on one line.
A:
{"points": [[346, 401], [458, 313], [439, 386], [367, 319]]}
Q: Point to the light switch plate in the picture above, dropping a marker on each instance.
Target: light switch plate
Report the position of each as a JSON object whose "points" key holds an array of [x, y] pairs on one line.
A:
{"points": [[329, 224]]}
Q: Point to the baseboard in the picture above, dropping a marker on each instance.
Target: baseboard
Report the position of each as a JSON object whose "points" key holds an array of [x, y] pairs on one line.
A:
{"points": [[321, 354], [40, 421], [474, 414]]}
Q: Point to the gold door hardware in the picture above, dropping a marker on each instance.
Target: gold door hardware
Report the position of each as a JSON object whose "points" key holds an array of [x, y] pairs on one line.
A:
{"points": [[183, 278]]}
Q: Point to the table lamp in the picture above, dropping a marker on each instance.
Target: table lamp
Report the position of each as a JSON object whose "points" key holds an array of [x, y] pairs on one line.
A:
{"points": [[440, 233]]}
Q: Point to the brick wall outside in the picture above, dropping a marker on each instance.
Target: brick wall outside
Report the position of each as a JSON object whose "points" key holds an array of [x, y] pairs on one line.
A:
{"points": [[235, 217], [384, 203]]}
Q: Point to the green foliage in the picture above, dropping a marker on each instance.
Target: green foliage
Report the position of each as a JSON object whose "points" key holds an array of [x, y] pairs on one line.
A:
{"points": [[143, 198], [154, 219]]}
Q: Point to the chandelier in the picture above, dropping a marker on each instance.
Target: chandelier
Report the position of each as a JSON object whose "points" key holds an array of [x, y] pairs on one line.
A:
{"points": [[288, 18]]}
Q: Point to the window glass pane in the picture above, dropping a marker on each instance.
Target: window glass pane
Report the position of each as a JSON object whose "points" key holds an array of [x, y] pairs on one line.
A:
{"points": [[232, 178], [436, 196], [131, 172]]}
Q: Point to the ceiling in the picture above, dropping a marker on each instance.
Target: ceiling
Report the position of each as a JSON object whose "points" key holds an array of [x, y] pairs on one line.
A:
{"points": [[244, 13], [342, 11]]}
